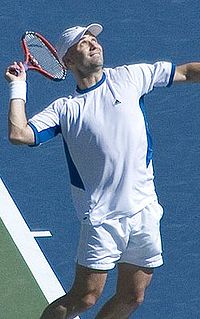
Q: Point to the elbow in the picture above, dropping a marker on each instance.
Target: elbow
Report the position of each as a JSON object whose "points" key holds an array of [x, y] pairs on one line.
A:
{"points": [[16, 137], [15, 140], [21, 135]]}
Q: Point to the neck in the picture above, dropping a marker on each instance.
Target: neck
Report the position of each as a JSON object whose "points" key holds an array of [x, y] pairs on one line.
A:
{"points": [[85, 81]]}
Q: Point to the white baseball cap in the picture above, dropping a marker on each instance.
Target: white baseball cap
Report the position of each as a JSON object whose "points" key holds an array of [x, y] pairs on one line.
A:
{"points": [[71, 36]]}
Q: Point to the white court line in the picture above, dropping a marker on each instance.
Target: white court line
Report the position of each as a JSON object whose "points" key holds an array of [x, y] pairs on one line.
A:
{"points": [[24, 240], [41, 233]]}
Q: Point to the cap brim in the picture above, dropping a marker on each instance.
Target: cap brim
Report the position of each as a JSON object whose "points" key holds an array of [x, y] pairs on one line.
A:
{"points": [[94, 28]]}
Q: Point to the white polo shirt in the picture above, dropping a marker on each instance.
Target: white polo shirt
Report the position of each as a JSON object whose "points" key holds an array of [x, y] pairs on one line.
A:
{"points": [[107, 141]]}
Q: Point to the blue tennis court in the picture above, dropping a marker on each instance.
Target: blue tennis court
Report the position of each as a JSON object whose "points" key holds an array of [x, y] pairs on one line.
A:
{"points": [[37, 179]]}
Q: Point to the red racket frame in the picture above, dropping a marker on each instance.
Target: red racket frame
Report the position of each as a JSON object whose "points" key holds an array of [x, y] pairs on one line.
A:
{"points": [[29, 62]]}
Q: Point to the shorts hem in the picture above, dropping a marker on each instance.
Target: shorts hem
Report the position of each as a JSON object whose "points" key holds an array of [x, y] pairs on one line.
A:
{"points": [[97, 266], [153, 264]]}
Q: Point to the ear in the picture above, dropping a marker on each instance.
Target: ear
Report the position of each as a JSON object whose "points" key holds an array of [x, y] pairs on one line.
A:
{"points": [[67, 61]]}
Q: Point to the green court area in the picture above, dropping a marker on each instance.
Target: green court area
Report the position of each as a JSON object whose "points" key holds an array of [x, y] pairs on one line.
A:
{"points": [[20, 295]]}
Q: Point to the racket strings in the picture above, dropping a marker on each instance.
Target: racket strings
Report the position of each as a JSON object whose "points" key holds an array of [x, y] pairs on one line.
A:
{"points": [[43, 57]]}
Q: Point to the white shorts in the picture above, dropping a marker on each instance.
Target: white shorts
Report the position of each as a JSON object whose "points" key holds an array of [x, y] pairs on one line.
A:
{"points": [[134, 240]]}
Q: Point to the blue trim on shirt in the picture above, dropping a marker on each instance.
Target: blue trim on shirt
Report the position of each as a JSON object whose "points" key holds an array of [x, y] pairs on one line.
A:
{"points": [[172, 75], [44, 135], [149, 155], [73, 172], [95, 86], [35, 135], [47, 134]]}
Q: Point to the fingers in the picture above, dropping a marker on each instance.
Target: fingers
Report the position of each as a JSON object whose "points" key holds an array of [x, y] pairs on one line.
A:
{"points": [[14, 69], [16, 72]]}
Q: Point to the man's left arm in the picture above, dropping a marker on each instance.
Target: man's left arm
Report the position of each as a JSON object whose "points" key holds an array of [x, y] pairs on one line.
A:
{"points": [[189, 72]]}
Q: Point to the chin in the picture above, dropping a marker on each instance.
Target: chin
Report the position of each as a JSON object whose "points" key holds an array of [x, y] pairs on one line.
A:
{"points": [[97, 59]]}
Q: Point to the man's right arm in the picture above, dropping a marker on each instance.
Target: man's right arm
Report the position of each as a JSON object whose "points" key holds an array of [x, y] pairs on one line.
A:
{"points": [[19, 130]]}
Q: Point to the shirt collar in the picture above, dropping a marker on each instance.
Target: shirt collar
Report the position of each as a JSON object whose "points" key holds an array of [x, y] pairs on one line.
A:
{"points": [[93, 87]]}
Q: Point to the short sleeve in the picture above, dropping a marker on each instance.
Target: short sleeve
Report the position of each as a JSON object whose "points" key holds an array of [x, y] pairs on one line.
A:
{"points": [[148, 76], [46, 124]]}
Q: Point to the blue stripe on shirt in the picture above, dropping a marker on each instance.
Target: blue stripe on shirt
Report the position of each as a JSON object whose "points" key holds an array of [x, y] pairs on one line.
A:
{"points": [[149, 154], [47, 134], [44, 135], [73, 172], [172, 75]]}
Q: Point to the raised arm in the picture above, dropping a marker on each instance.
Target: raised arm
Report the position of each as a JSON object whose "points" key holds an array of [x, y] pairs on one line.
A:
{"points": [[189, 72], [19, 130]]}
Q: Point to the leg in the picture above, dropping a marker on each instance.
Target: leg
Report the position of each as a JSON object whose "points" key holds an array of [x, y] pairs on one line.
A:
{"points": [[87, 288], [143, 248], [131, 286]]}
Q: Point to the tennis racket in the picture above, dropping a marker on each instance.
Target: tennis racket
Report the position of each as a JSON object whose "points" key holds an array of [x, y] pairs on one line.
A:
{"points": [[41, 56]]}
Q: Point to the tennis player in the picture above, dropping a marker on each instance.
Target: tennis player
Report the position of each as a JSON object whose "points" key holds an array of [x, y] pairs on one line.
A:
{"points": [[115, 195]]}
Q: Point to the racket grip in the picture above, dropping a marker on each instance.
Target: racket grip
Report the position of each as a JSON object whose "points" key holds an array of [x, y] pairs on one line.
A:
{"points": [[25, 66], [17, 72]]}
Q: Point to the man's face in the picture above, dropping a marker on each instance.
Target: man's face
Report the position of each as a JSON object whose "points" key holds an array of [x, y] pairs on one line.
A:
{"points": [[86, 56]]}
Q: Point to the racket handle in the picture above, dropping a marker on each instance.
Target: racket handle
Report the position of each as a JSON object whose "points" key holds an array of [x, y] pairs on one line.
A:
{"points": [[25, 67]]}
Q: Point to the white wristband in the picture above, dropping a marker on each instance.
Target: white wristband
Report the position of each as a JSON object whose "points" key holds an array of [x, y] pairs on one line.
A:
{"points": [[18, 90]]}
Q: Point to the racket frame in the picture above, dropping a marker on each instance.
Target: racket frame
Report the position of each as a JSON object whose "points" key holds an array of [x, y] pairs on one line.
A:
{"points": [[29, 61]]}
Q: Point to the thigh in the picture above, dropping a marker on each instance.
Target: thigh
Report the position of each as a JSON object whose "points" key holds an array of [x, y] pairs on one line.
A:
{"points": [[88, 281], [133, 280]]}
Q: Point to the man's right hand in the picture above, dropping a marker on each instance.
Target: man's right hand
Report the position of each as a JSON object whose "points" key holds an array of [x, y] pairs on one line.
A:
{"points": [[15, 72]]}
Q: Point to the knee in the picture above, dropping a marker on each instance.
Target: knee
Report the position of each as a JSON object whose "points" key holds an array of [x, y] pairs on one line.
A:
{"points": [[136, 300], [132, 300], [53, 312], [89, 300]]}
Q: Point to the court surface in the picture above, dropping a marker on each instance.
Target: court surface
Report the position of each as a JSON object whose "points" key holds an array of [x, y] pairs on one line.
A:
{"points": [[38, 227]]}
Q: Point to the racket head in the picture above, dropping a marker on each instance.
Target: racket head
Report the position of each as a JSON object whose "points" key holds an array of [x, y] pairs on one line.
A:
{"points": [[40, 55]]}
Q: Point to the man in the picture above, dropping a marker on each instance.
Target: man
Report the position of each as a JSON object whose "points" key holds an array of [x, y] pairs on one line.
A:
{"points": [[119, 211]]}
